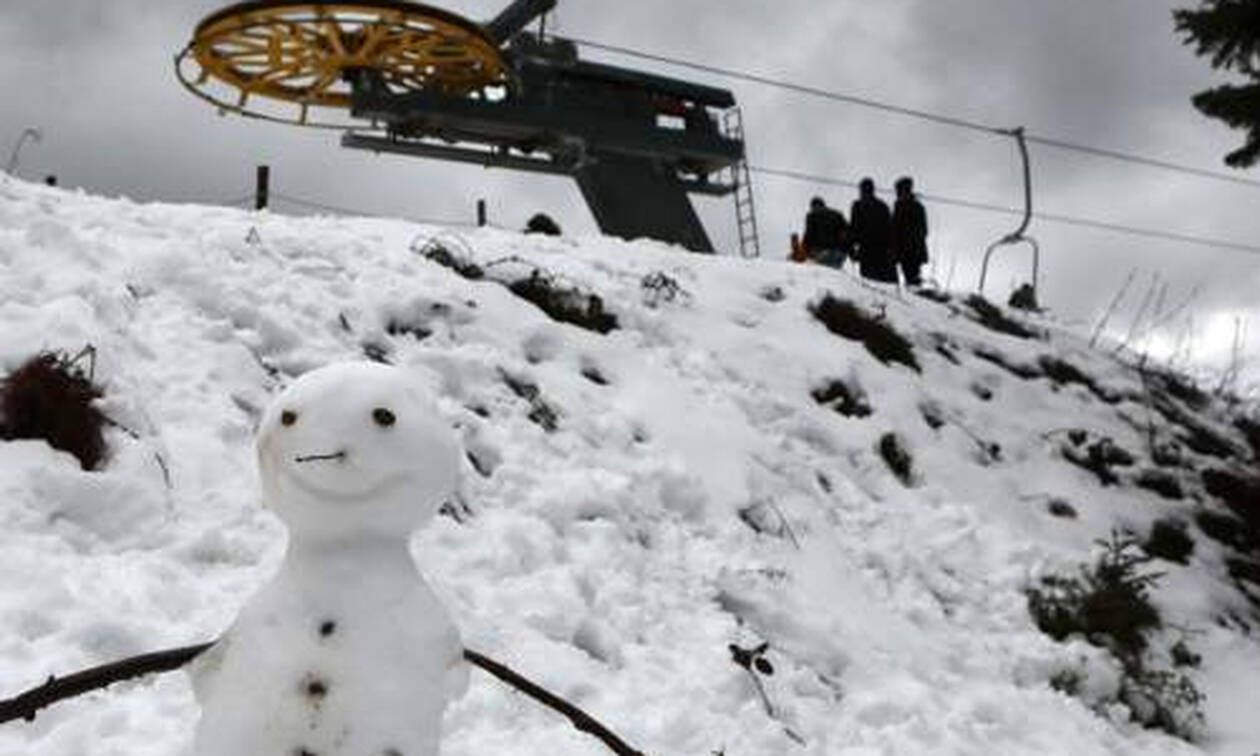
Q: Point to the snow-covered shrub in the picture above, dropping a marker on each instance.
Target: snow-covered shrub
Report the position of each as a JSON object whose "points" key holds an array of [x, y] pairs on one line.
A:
{"points": [[1024, 370], [1099, 456], [1224, 529], [772, 294], [935, 295], [991, 316], [1108, 604], [1162, 482], [1169, 540], [895, 454], [1241, 494], [932, 414], [1063, 372], [844, 318], [661, 288], [1179, 386], [441, 254], [763, 517], [541, 413], [1250, 428], [845, 397], [564, 304], [1200, 436], [50, 398], [1061, 508]]}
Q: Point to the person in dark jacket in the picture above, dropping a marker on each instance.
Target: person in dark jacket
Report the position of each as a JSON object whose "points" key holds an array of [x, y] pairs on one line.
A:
{"points": [[826, 234], [909, 232], [871, 229]]}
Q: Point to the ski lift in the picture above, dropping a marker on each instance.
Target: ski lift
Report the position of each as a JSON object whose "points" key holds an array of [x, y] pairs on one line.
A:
{"points": [[405, 78], [1018, 236]]}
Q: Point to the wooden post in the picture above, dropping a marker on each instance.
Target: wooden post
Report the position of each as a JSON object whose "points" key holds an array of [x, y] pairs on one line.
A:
{"points": [[261, 187], [481, 212]]}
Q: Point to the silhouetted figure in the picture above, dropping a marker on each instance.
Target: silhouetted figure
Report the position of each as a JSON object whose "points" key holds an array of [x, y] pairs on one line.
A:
{"points": [[871, 229], [909, 232], [826, 234], [542, 223]]}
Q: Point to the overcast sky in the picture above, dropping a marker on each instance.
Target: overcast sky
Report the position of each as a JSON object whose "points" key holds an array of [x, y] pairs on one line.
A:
{"points": [[97, 78]]}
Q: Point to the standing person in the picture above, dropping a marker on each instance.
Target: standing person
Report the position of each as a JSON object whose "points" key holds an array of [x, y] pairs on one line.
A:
{"points": [[909, 232], [871, 231], [826, 234]]}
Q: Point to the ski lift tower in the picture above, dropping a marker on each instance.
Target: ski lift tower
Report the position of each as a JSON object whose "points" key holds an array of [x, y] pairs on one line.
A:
{"points": [[410, 79]]}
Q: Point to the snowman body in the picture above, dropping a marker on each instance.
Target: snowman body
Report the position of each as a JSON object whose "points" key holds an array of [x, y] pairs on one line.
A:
{"points": [[347, 651]]}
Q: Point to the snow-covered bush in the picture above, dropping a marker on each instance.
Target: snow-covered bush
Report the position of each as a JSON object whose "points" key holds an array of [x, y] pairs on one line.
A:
{"points": [[844, 318], [564, 304], [991, 316], [1169, 540], [892, 448]]}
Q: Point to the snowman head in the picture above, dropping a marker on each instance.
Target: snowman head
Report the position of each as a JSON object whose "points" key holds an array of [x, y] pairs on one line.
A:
{"points": [[355, 448]]}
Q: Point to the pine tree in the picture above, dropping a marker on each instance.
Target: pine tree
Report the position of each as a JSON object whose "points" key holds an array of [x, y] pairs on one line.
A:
{"points": [[1229, 32]]}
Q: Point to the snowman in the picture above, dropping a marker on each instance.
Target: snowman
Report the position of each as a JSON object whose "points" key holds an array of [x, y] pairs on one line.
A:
{"points": [[346, 652]]}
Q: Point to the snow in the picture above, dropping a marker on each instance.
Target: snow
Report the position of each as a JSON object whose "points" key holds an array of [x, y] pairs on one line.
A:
{"points": [[609, 559]]}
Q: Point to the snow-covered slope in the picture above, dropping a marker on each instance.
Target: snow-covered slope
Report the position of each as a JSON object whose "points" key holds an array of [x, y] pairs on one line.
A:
{"points": [[634, 502]]}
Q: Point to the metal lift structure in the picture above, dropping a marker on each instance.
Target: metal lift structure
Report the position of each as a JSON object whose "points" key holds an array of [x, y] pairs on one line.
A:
{"points": [[410, 79]]}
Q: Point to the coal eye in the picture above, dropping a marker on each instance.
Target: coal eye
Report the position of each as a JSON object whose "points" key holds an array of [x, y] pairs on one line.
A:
{"points": [[288, 417], [383, 417]]}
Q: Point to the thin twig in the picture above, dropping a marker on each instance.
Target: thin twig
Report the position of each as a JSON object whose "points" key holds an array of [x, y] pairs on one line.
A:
{"points": [[25, 705], [1111, 308], [166, 471], [1141, 314], [111, 422], [580, 719]]}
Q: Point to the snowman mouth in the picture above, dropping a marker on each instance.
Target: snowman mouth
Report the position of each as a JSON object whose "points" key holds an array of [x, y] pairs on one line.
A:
{"points": [[321, 457]]}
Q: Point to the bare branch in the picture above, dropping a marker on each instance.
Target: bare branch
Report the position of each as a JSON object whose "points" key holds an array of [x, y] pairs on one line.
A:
{"points": [[27, 704], [580, 719]]}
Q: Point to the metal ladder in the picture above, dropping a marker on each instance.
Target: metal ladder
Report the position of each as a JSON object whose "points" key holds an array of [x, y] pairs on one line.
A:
{"points": [[745, 211]]}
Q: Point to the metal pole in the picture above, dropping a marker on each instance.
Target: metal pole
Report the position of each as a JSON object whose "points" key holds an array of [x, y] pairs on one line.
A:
{"points": [[481, 212], [1023, 153], [261, 187]]}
